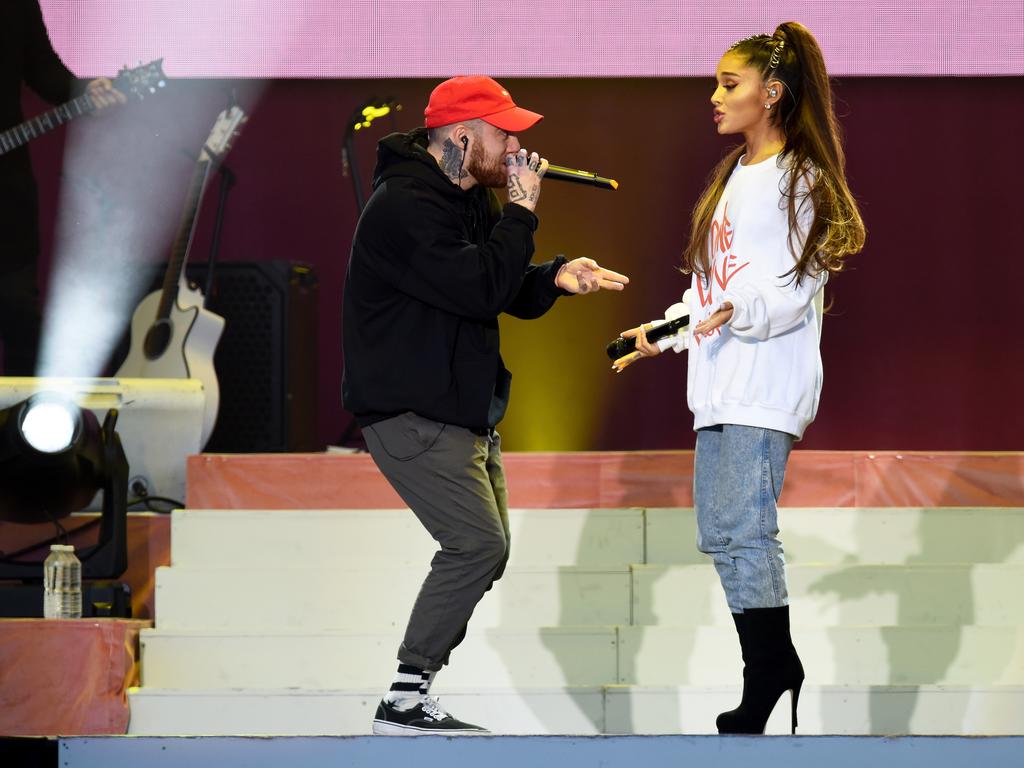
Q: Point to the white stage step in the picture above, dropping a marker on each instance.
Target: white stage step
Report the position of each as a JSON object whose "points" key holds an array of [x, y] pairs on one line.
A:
{"points": [[607, 621], [595, 537], [859, 656], [350, 712], [372, 599], [560, 656], [841, 595], [853, 710], [852, 535], [374, 538], [547, 657], [609, 709]]}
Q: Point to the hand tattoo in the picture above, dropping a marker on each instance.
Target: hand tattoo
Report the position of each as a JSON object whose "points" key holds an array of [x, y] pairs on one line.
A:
{"points": [[451, 161], [515, 188]]}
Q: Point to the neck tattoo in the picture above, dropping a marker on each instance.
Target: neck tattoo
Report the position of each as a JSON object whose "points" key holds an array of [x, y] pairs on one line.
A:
{"points": [[451, 161]]}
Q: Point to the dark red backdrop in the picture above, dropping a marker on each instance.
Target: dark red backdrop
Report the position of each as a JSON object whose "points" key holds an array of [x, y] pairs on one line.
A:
{"points": [[922, 351]]}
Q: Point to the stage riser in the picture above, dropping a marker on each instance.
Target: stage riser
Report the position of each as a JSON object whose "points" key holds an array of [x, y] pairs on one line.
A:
{"points": [[394, 538], [380, 599], [289, 621], [614, 709], [556, 657]]}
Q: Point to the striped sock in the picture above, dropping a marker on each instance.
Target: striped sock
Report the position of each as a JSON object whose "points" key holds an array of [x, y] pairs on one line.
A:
{"points": [[428, 680], [405, 690]]}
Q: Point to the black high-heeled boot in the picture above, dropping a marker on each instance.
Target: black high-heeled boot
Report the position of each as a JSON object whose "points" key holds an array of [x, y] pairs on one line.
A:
{"points": [[770, 668]]}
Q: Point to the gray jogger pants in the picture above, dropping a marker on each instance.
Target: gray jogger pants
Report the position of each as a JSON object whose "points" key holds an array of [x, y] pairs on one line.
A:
{"points": [[453, 481]]}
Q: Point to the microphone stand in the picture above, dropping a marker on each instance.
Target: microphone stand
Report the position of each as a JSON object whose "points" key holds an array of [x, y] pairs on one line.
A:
{"points": [[352, 164], [362, 116]]}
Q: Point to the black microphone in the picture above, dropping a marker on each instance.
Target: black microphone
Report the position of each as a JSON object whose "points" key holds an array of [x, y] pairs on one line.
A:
{"points": [[620, 346], [579, 177]]}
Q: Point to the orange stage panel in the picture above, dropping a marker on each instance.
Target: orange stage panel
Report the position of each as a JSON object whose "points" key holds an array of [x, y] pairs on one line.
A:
{"points": [[67, 676], [616, 479]]}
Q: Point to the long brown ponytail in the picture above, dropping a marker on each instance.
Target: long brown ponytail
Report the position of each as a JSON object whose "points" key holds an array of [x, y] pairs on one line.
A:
{"points": [[813, 151]]}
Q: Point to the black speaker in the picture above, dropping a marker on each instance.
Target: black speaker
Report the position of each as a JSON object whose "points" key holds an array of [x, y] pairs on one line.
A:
{"points": [[267, 359]]}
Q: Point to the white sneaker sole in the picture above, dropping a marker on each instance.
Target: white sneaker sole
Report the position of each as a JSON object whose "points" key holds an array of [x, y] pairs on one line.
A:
{"points": [[384, 728]]}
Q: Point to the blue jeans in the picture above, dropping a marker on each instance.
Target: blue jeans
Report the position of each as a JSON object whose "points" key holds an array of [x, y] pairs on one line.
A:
{"points": [[737, 479]]}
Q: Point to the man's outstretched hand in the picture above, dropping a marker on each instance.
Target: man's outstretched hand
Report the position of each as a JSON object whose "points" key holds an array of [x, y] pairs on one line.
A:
{"points": [[587, 276]]}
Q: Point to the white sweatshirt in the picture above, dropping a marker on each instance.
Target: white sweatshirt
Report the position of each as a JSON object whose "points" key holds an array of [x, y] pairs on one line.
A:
{"points": [[763, 368]]}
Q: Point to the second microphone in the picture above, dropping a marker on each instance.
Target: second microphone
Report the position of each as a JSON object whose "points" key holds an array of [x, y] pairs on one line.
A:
{"points": [[620, 346]]}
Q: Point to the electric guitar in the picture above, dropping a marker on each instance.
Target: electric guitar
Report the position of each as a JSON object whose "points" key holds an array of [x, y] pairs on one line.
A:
{"points": [[136, 83], [172, 335]]}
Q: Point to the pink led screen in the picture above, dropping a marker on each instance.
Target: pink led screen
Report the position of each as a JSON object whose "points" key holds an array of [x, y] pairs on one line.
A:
{"points": [[525, 38]]}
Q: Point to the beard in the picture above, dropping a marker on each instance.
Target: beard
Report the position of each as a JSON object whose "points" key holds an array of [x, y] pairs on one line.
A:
{"points": [[488, 172]]}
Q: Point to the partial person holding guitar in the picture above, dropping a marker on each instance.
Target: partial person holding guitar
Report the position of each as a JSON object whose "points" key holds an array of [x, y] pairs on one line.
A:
{"points": [[27, 56]]}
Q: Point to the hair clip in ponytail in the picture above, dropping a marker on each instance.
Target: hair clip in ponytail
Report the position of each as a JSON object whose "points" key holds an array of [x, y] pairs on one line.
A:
{"points": [[773, 62], [749, 38]]}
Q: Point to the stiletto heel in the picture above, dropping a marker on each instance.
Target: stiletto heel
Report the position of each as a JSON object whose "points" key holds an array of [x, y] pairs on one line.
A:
{"points": [[794, 698]]}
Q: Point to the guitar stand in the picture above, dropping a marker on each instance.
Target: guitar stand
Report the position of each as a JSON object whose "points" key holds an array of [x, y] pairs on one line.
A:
{"points": [[227, 181]]}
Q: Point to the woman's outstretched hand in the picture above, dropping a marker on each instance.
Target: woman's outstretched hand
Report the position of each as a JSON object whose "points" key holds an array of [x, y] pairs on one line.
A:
{"points": [[708, 325]]}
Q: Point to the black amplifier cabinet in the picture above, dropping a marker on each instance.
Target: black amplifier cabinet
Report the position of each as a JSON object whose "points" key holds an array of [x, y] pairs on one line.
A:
{"points": [[267, 360]]}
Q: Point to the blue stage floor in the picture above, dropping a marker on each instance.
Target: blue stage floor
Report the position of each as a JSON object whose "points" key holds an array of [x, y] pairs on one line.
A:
{"points": [[560, 751]]}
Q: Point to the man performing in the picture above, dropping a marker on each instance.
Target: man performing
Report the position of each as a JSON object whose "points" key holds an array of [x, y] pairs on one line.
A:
{"points": [[26, 56], [435, 260]]}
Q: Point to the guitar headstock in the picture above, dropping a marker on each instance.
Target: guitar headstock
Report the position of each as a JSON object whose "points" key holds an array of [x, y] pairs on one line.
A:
{"points": [[142, 80], [229, 123]]}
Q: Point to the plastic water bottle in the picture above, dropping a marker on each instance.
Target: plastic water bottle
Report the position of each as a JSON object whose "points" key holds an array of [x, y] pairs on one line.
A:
{"points": [[62, 583]]}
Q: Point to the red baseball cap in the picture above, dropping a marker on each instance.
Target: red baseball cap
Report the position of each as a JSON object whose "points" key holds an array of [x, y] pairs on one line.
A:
{"points": [[477, 97]]}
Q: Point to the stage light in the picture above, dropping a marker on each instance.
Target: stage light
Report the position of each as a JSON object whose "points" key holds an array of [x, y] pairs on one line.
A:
{"points": [[54, 457], [49, 426]]}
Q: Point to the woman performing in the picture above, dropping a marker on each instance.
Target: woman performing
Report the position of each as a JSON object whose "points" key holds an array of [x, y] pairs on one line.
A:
{"points": [[776, 218]]}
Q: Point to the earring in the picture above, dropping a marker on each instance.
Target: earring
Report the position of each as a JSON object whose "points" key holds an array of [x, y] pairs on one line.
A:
{"points": [[767, 106]]}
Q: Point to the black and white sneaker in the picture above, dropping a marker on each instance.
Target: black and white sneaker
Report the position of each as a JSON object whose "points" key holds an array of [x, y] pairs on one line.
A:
{"points": [[425, 719]]}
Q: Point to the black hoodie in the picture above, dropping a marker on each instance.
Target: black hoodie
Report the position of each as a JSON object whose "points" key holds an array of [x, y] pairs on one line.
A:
{"points": [[432, 267]]}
